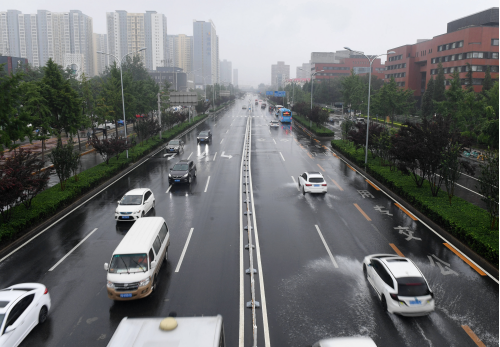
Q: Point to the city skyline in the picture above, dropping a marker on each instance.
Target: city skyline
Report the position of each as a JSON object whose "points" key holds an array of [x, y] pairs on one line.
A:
{"points": [[312, 30]]}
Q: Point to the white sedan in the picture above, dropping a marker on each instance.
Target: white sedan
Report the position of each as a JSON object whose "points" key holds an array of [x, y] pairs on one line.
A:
{"points": [[399, 284], [22, 307], [312, 182], [135, 204], [274, 124]]}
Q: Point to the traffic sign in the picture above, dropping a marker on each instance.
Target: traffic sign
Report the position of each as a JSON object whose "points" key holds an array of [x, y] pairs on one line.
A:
{"points": [[280, 94], [269, 93]]}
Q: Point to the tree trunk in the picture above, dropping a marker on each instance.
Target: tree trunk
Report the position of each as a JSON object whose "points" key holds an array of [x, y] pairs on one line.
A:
{"points": [[79, 144]]}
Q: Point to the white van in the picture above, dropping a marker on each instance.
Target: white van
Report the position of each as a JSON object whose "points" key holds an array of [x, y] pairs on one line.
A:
{"points": [[135, 264], [186, 331], [357, 341]]}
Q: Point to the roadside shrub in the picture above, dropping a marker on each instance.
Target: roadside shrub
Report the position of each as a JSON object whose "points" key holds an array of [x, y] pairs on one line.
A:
{"points": [[320, 131]]}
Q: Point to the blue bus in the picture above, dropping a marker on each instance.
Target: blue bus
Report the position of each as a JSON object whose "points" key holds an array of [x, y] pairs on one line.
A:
{"points": [[285, 115]]}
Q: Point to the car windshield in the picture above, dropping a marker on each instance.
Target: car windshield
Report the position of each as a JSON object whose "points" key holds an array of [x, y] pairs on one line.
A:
{"points": [[128, 263], [174, 142], [412, 286], [131, 200], [315, 179], [204, 133], [180, 167]]}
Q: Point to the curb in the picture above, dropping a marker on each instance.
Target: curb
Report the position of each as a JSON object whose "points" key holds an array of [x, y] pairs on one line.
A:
{"points": [[451, 238], [30, 232]]}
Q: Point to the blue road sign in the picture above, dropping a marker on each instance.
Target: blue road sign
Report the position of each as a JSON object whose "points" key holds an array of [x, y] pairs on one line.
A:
{"points": [[280, 94], [269, 93]]}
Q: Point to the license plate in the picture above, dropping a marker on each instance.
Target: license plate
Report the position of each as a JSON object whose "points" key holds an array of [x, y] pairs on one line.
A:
{"points": [[316, 185], [177, 180], [171, 149], [129, 295], [126, 217], [415, 302]]}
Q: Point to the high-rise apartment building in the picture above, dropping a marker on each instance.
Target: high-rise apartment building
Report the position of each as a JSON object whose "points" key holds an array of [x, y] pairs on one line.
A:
{"points": [[235, 77], [279, 73], [66, 37], [303, 71], [184, 52], [171, 51], [205, 53], [130, 32], [101, 61], [226, 72]]}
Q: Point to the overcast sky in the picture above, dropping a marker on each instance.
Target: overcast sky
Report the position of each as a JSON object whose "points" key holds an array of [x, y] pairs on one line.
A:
{"points": [[253, 35]]}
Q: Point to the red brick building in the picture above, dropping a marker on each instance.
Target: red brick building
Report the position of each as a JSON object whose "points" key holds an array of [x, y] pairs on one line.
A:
{"points": [[359, 63], [472, 39]]}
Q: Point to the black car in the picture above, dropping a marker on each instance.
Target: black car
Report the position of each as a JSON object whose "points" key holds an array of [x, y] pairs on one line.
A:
{"points": [[182, 172], [204, 136], [175, 146], [263, 106]]}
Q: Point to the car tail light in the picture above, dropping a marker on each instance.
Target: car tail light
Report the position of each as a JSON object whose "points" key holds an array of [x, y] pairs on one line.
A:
{"points": [[395, 297], [308, 185], [46, 290], [324, 184]]}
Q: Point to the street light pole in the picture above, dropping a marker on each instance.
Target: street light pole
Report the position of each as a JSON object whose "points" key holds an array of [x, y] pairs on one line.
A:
{"points": [[369, 85], [121, 80]]}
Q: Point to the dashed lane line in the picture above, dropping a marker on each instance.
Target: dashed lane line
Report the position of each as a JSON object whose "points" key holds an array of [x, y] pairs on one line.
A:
{"points": [[206, 187], [295, 182], [464, 259], [190, 155], [274, 141], [398, 252], [362, 212], [310, 156], [72, 250], [221, 141], [168, 189], [321, 168], [327, 248], [334, 182], [405, 211], [215, 155], [282, 156], [184, 251], [473, 336]]}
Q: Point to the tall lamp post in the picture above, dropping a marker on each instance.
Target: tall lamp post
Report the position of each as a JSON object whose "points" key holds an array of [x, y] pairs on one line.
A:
{"points": [[369, 85], [121, 80]]}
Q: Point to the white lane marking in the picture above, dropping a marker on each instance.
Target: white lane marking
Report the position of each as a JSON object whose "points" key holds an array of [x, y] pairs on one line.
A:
{"points": [[267, 340], [282, 156], [215, 155], [184, 250], [275, 143], [434, 231], [269, 130], [169, 187], [79, 243], [295, 182], [227, 131], [206, 187], [221, 140], [326, 246], [190, 155]]}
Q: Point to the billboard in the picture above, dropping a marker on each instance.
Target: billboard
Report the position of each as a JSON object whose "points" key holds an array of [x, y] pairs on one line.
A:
{"points": [[269, 93], [183, 98], [280, 94]]}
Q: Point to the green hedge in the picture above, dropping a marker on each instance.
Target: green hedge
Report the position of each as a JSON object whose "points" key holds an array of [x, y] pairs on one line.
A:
{"points": [[465, 221], [53, 199], [321, 131]]}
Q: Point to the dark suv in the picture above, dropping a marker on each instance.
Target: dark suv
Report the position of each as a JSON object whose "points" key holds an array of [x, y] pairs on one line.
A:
{"points": [[204, 136], [182, 172]]}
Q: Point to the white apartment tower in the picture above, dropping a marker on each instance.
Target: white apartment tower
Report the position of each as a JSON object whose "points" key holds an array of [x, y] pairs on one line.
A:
{"points": [[101, 61], [205, 53], [226, 72]]}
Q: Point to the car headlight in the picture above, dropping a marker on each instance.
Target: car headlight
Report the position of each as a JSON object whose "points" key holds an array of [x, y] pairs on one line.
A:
{"points": [[111, 284], [169, 175], [186, 175], [137, 211], [144, 282], [198, 138]]}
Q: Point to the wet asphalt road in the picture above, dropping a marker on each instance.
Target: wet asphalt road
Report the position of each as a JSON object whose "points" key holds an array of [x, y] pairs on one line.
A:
{"points": [[307, 297]]}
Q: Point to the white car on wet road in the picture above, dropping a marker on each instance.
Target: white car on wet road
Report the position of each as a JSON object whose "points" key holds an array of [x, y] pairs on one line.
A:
{"points": [[135, 204], [399, 284], [22, 307], [274, 124], [312, 182]]}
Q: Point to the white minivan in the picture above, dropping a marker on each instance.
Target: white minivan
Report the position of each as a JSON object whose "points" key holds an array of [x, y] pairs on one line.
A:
{"points": [[133, 270]]}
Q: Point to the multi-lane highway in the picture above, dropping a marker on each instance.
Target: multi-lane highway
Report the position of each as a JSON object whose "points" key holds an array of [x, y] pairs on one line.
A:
{"points": [[308, 253]]}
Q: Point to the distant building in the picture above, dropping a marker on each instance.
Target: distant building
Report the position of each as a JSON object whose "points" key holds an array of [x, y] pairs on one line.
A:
{"points": [[472, 39], [101, 61], [304, 71], [297, 81], [12, 64], [235, 77], [343, 67], [226, 72], [279, 73], [174, 75], [205, 53]]}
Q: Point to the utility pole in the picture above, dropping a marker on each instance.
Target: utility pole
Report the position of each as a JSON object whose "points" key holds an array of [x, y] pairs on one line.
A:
{"points": [[159, 112]]}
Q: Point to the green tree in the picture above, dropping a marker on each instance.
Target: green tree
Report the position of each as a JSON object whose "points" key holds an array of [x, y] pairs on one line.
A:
{"points": [[428, 109], [439, 85], [65, 159], [487, 82], [488, 186], [468, 77]]}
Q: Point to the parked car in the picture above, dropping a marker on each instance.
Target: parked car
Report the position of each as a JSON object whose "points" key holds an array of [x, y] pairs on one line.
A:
{"points": [[399, 284], [312, 182], [175, 146], [106, 126], [182, 172], [22, 307], [135, 204], [204, 136]]}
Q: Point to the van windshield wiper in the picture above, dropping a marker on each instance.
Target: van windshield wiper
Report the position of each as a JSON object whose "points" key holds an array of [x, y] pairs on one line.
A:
{"points": [[140, 266], [126, 267]]}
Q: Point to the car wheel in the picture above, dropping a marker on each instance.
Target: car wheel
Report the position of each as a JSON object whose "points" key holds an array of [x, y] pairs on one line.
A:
{"points": [[303, 190], [42, 316], [365, 272], [384, 303], [194, 173], [143, 214], [153, 287], [166, 255], [154, 203]]}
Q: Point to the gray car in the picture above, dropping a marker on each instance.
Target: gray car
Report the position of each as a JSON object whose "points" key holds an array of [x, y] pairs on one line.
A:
{"points": [[175, 146]]}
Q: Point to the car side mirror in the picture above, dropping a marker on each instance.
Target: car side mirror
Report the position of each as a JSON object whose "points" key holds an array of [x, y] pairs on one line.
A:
{"points": [[106, 266], [9, 329], [118, 202], [369, 264], [153, 264]]}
